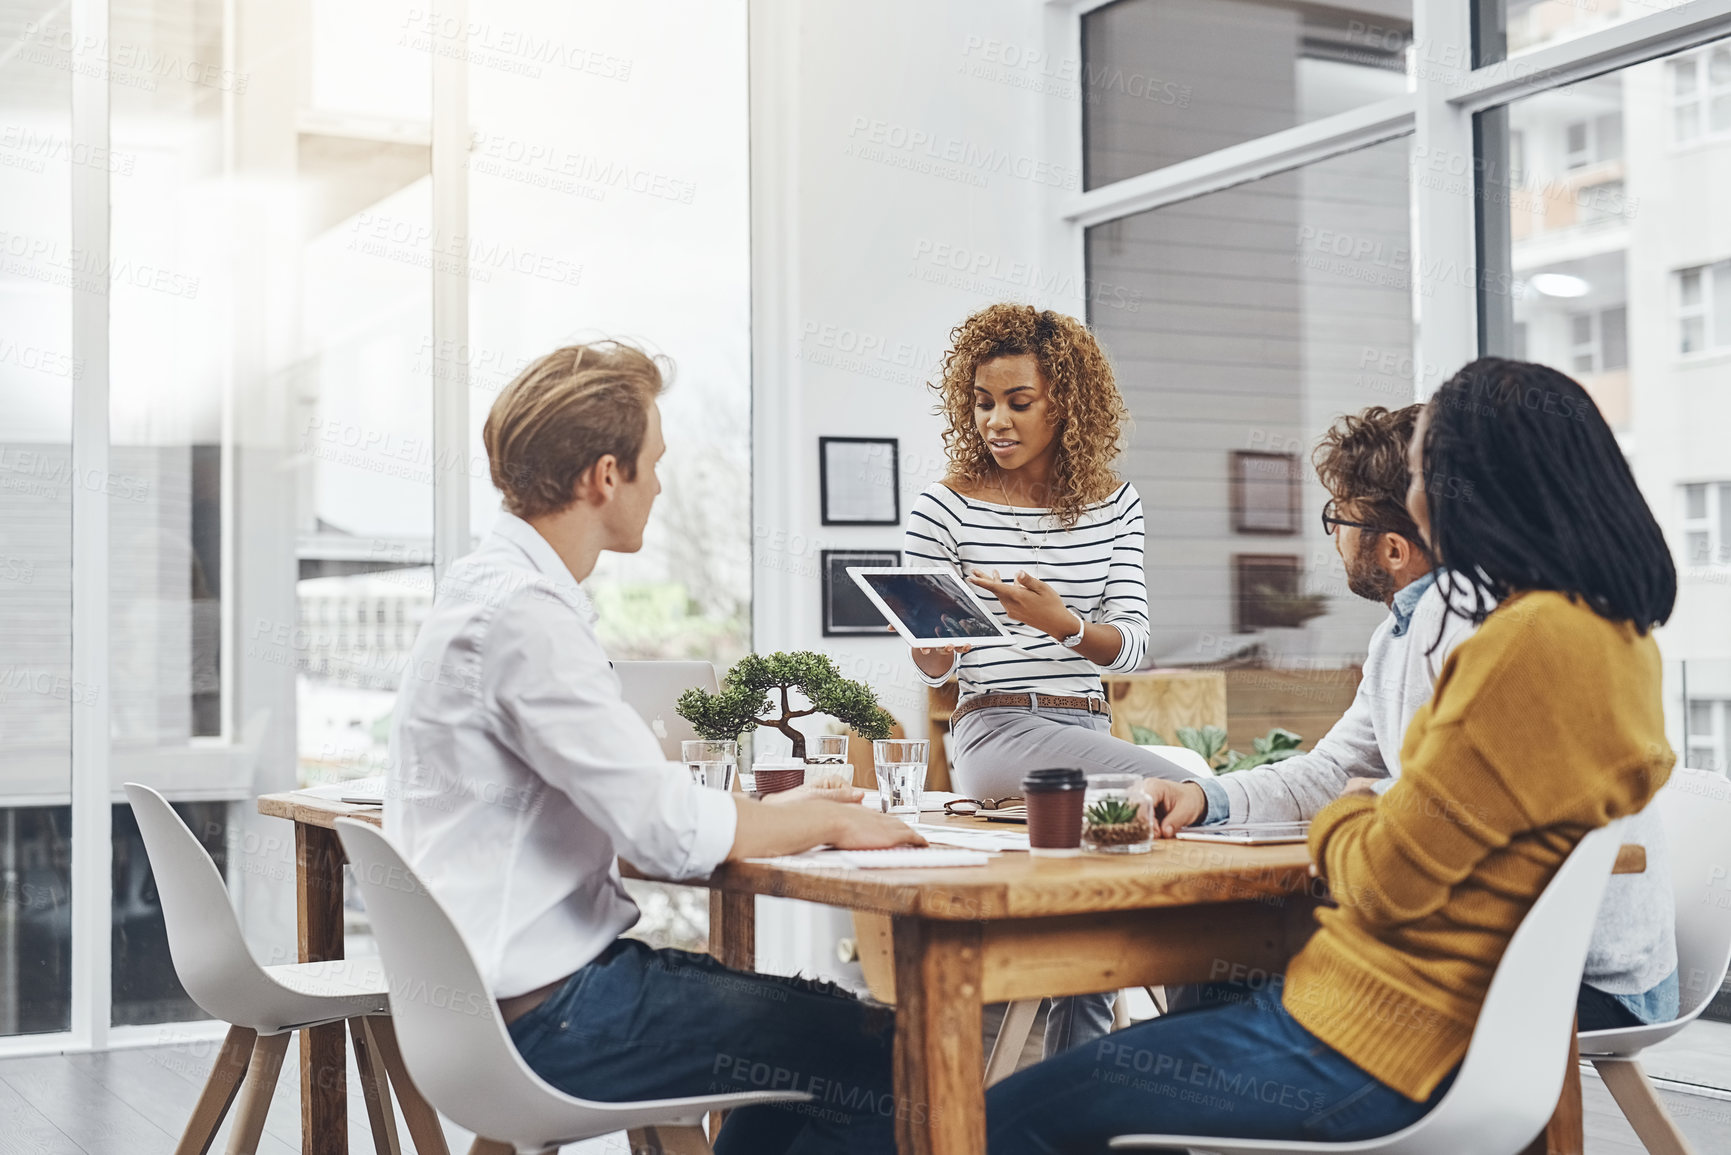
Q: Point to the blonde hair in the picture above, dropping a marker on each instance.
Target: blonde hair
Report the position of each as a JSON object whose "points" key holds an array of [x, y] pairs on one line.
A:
{"points": [[1084, 399], [561, 415]]}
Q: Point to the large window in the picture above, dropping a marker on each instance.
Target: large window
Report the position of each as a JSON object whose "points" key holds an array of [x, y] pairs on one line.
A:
{"points": [[1166, 80], [1266, 310], [239, 404], [1562, 203]]}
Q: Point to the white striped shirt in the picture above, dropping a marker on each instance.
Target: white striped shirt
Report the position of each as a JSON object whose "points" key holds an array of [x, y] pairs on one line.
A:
{"points": [[1095, 566]]}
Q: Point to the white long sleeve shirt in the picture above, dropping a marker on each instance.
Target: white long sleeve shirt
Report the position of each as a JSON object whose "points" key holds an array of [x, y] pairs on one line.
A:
{"points": [[1094, 565], [518, 774]]}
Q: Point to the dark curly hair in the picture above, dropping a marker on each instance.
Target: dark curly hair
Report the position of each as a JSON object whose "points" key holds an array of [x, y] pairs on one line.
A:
{"points": [[1362, 459], [1089, 412]]}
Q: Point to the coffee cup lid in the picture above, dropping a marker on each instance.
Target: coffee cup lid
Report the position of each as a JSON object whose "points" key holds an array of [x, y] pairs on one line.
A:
{"points": [[1054, 778]]}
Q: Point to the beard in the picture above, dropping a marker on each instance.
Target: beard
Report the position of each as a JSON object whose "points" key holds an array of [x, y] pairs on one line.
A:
{"points": [[1364, 577]]}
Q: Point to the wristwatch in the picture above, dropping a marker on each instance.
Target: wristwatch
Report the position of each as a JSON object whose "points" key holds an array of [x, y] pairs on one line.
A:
{"points": [[1075, 639]]}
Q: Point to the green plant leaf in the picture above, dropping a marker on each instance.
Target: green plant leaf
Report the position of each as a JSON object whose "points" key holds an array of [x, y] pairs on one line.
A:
{"points": [[1143, 736]]}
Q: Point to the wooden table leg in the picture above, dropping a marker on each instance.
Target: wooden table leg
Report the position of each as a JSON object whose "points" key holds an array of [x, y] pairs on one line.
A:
{"points": [[940, 1102], [733, 929], [732, 942], [324, 1061], [1565, 1134]]}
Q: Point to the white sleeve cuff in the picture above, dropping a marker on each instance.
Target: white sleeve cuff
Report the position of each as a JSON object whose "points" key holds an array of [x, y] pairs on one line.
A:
{"points": [[716, 820], [941, 679]]}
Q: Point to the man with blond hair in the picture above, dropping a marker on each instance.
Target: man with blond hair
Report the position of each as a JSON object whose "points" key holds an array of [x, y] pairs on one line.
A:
{"points": [[520, 776]]}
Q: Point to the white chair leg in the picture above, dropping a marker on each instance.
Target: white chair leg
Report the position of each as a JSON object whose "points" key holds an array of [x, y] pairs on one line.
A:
{"points": [[1012, 1038], [255, 1099], [1121, 1011], [1642, 1106], [219, 1092]]}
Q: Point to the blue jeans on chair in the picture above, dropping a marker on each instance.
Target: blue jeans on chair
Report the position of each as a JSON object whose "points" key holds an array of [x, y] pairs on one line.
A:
{"points": [[640, 1023], [1246, 1070]]}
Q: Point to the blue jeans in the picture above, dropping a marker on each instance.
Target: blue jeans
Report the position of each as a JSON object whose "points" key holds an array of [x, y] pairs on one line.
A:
{"points": [[640, 1023], [1245, 1070]]}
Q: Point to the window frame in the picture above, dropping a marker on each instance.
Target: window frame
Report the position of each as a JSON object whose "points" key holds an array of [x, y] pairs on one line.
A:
{"points": [[1701, 99]]}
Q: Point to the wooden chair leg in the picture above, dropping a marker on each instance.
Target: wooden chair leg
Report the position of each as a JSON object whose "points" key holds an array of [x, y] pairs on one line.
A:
{"points": [[489, 1147], [668, 1141], [375, 1089], [261, 1076], [1012, 1038], [219, 1092], [1642, 1106], [1158, 995], [425, 1130]]}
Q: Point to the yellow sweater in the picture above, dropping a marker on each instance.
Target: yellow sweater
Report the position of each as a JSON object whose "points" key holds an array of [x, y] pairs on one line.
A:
{"points": [[1544, 724]]}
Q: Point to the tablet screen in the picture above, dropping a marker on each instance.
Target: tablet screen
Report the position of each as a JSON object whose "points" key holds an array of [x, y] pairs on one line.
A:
{"points": [[931, 605]]}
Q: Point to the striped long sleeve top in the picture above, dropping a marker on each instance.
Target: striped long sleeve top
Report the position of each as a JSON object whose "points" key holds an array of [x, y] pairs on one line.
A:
{"points": [[1095, 566]]}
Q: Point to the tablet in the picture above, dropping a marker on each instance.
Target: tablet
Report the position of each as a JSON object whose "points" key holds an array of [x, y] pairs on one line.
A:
{"points": [[1249, 833], [930, 607]]}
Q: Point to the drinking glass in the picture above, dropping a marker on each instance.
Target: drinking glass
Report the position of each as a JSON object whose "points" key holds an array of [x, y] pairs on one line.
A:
{"points": [[901, 770], [826, 762], [711, 762]]}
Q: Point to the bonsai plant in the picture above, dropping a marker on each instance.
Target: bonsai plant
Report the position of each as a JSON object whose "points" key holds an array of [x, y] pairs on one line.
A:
{"points": [[757, 686]]}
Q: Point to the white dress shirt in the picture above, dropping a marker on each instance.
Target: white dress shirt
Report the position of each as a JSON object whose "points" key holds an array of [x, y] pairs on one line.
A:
{"points": [[518, 774]]}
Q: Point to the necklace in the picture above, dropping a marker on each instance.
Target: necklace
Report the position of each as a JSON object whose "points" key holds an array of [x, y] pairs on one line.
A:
{"points": [[1027, 538]]}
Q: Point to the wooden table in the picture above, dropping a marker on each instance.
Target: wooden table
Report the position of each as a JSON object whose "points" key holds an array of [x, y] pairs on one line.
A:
{"points": [[1019, 928]]}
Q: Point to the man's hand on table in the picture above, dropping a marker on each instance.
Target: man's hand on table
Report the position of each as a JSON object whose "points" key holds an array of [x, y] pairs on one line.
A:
{"points": [[850, 794], [1176, 805], [791, 825]]}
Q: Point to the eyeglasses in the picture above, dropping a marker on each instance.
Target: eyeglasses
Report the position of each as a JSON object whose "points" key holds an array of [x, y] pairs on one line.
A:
{"points": [[967, 807], [1330, 522]]}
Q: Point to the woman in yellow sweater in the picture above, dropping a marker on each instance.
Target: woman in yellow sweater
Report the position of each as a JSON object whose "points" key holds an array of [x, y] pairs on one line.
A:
{"points": [[1545, 724]]}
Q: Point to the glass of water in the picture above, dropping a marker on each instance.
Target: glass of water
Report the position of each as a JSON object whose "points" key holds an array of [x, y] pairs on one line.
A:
{"points": [[901, 769], [712, 762], [826, 765]]}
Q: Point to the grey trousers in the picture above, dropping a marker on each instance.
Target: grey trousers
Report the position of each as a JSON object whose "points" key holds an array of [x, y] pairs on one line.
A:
{"points": [[994, 748]]}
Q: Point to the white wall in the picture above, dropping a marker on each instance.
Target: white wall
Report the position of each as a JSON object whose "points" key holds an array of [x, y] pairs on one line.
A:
{"points": [[906, 168]]}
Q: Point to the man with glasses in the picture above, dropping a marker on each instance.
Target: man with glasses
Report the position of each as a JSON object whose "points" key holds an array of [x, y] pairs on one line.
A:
{"points": [[1361, 461]]}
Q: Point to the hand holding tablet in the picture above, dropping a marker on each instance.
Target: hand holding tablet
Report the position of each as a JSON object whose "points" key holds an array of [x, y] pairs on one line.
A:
{"points": [[930, 608]]}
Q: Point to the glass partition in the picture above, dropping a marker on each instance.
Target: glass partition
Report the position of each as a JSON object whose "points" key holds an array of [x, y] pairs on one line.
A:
{"points": [[38, 369], [1266, 311]]}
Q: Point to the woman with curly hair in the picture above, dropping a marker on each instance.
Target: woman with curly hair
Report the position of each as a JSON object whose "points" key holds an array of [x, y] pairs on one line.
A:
{"points": [[1033, 515]]}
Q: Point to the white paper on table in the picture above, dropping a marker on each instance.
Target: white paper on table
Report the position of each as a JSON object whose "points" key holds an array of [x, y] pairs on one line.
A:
{"points": [[896, 858], [989, 840]]}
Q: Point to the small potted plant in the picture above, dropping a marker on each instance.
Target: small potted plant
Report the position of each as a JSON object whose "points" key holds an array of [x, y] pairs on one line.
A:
{"points": [[756, 693], [1118, 815]]}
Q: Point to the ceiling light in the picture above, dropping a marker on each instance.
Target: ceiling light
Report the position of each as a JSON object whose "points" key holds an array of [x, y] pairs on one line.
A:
{"points": [[1559, 285]]}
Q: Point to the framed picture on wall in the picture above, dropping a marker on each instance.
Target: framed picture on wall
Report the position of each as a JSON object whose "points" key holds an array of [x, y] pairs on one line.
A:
{"points": [[845, 609], [859, 480], [1265, 495], [1266, 593]]}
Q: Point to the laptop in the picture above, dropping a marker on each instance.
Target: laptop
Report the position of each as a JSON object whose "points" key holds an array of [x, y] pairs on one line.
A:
{"points": [[653, 689]]}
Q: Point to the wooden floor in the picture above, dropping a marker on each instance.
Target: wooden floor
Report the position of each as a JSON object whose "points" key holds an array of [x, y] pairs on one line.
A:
{"points": [[134, 1102]]}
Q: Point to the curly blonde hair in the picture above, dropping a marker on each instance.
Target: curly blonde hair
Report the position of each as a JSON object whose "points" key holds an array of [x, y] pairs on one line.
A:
{"points": [[1084, 398]]}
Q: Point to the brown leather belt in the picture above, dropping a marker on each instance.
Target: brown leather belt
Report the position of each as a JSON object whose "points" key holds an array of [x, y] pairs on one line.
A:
{"points": [[1046, 702]]}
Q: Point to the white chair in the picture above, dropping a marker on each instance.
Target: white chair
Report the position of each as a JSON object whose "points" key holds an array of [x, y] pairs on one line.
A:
{"points": [[458, 1049], [1695, 807], [264, 1005], [1509, 1081]]}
